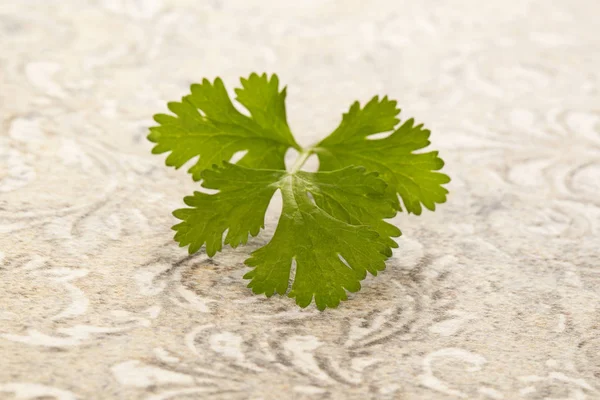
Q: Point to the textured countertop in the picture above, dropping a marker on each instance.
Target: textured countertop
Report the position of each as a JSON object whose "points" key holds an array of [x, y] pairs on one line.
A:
{"points": [[496, 295]]}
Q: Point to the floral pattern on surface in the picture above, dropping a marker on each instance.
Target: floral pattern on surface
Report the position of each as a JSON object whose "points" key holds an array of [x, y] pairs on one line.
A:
{"points": [[494, 296]]}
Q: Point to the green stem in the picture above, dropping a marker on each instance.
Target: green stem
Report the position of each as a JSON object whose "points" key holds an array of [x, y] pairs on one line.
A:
{"points": [[301, 160]]}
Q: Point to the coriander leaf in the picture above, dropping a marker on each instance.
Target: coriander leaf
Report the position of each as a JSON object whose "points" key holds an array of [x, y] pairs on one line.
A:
{"points": [[207, 124], [343, 197], [331, 224], [240, 206], [411, 175], [333, 240]]}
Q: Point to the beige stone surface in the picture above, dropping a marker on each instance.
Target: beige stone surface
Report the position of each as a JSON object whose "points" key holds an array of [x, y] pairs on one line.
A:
{"points": [[494, 296]]}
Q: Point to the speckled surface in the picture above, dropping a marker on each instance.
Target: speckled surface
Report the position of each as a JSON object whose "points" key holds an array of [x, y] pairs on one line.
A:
{"points": [[494, 296]]}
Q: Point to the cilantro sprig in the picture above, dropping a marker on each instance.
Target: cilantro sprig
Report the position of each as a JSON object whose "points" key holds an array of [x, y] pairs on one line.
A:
{"points": [[332, 223]]}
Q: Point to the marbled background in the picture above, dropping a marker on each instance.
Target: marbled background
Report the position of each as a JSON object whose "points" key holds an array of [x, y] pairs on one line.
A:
{"points": [[494, 296]]}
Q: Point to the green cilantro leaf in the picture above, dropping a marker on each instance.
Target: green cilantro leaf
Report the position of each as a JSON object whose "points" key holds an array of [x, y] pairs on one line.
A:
{"points": [[411, 175], [333, 222], [331, 225], [207, 124], [239, 207]]}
